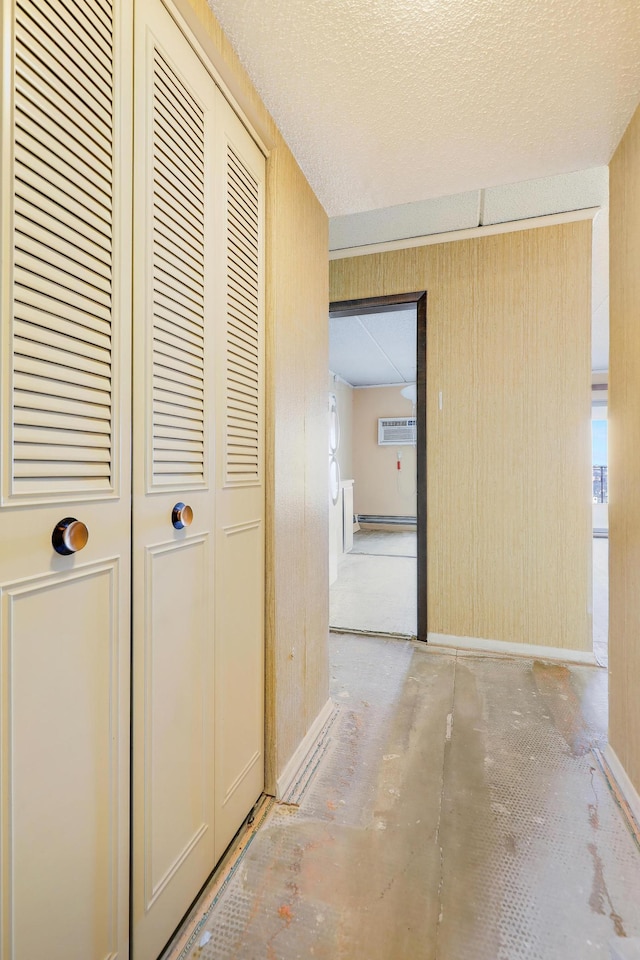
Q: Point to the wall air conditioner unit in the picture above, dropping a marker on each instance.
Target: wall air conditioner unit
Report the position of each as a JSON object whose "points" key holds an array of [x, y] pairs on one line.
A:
{"points": [[395, 431]]}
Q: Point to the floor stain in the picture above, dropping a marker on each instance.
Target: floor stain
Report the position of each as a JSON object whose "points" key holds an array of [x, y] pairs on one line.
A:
{"points": [[600, 894], [554, 682], [284, 912]]}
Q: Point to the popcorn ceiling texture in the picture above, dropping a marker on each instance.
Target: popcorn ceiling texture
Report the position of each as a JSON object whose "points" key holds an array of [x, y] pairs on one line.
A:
{"points": [[386, 102]]}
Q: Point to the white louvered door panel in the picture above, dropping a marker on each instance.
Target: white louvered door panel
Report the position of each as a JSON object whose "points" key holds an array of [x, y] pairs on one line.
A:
{"points": [[64, 620], [243, 250], [239, 594], [179, 447], [63, 247], [173, 795]]}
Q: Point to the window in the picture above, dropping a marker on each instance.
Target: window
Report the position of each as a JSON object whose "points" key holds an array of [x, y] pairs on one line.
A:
{"points": [[599, 460]]}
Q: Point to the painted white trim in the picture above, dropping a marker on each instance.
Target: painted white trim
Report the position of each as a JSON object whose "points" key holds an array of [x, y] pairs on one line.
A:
{"points": [[295, 765], [470, 233], [623, 782], [531, 650]]}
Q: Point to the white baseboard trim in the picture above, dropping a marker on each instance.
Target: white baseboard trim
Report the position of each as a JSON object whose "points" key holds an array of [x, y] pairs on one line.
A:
{"points": [[505, 649], [623, 782], [290, 773]]}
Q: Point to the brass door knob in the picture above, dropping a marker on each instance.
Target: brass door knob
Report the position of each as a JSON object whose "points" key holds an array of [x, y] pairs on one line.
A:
{"points": [[69, 536], [181, 516]]}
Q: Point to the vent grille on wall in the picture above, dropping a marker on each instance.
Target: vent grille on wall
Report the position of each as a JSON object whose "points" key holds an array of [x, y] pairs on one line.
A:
{"points": [[396, 430], [62, 270]]}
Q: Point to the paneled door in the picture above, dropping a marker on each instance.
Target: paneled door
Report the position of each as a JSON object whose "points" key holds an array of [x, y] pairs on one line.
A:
{"points": [[64, 446], [197, 426], [239, 472]]}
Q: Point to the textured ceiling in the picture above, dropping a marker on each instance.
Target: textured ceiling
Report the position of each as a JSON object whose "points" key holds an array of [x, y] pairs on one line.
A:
{"points": [[386, 102]]}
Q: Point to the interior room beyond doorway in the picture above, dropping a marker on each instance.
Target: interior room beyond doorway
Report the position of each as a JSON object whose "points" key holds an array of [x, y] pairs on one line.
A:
{"points": [[373, 508], [376, 585]]}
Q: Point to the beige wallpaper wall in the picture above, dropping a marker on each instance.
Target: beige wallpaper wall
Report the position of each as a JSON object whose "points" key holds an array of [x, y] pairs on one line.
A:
{"points": [[297, 615], [379, 488], [624, 453], [509, 454]]}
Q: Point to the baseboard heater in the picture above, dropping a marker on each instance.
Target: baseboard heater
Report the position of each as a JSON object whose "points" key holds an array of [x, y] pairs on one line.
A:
{"points": [[375, 518]]}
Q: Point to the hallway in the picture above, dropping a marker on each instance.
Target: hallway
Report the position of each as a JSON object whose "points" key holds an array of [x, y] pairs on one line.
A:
{"points": [[454, 810]]}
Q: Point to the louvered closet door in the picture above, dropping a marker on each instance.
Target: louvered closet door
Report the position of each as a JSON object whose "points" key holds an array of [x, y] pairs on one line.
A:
{"points": [[64, 619], [173, 799], [239, 291]]}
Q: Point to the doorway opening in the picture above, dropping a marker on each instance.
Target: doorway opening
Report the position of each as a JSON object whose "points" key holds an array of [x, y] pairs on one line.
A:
{"points": [[377, 457], [600, 491]]}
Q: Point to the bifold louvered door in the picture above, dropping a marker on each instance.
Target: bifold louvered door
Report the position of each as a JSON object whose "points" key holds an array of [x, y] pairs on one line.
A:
{"points": [[239, 293], [181, 441], [65, 439]]}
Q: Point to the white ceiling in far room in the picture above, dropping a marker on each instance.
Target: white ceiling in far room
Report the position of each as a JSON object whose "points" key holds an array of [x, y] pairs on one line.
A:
{"points": [[374, 349]]}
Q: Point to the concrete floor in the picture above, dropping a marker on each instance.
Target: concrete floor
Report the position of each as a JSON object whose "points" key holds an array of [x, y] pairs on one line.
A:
{"points": [[376, 586], [455, 811]]}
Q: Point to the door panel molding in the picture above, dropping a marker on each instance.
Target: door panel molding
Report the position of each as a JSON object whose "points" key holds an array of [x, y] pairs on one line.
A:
{"points": [[243, 773], [52, 739]]}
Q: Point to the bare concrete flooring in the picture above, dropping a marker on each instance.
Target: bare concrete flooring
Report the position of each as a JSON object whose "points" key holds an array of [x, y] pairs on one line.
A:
{"points": [[376, 585], [455, 811]]}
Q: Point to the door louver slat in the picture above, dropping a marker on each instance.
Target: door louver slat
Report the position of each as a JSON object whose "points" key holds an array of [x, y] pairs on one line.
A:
{"points": [[62, 278], [242, 459], [70, 121], [88, 117], [79, 159], [31, 434], [58, 358], [89, 190], [33, 409], [77, 61], [58, 332], [57, 266], [174, 231], [93, 41], [178, 281]]}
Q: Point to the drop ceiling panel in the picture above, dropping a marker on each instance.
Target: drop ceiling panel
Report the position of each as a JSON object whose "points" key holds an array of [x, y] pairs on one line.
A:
{"points": [[538, 198], [395, 334], [355, 357], [375, 349], [408, 220]]}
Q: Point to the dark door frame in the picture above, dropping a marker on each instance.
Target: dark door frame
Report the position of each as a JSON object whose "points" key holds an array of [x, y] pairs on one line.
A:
{"points": [[351, 308]]}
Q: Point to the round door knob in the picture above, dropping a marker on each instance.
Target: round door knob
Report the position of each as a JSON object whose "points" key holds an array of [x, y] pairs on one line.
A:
{"points": [[181, 516], [69, 536]]}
